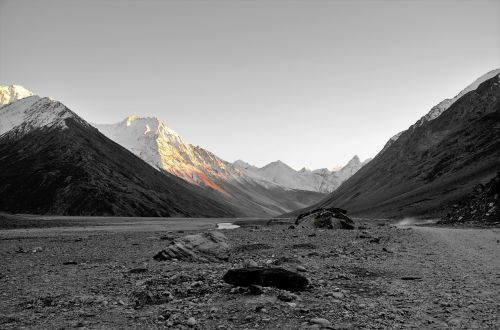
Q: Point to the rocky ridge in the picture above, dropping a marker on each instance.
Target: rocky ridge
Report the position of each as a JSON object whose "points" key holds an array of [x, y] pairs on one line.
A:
{"points": [[481, 207]]}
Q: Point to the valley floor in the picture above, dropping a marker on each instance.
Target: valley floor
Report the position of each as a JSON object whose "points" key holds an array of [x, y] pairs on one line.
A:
{"points": [[414, 277]]}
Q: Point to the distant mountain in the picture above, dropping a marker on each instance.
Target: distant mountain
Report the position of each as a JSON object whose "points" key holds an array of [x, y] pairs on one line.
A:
{"points": [[54, 162], [13, 93], [164, 149], [435, 162], [321, 180]]}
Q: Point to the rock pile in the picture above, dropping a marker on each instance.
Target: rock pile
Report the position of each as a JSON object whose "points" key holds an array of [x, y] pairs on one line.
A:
{"points": [[209, 246], [327, 218], [482, 206]]}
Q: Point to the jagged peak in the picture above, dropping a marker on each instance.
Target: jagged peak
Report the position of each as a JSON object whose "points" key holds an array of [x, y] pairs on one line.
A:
{"points": [[241, 163], [322, 171], [354, 160], [277, 163], [150, 124]]}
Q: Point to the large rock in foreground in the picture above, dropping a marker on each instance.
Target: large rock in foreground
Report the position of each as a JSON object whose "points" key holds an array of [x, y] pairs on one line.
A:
{"points": [[276, 277], [210, 246], [327, 218]]}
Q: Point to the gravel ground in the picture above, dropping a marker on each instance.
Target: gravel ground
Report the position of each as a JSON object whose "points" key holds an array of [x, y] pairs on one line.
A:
{"points": [[376, 277]]}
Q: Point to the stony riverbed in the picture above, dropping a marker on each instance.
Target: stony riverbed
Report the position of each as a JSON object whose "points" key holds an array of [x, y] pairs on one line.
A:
{"points": [[375, 277]]}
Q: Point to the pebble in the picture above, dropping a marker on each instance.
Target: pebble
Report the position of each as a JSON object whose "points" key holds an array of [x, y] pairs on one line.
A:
{"points": [[301, 268], [191, 322], [321, 321], [250, 263], [255, 289], [287, 296]]}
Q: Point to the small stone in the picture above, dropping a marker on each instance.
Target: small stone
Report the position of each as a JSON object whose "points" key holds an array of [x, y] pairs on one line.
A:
{"points": [[387, 250], [255, 289], [191, 322], [301, 268], [260, 308], [250, 263], [287, 296], [336, 295], [321, 321]]}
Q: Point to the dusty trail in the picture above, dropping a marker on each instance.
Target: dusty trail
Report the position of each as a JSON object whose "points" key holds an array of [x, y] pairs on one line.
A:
{"points": [[460, 271], [473, 250]]}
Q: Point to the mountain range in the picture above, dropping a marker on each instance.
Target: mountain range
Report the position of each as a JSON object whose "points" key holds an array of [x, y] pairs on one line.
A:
{"points": [[229, 188], [54, 162], [425, 169], [271, 190]]}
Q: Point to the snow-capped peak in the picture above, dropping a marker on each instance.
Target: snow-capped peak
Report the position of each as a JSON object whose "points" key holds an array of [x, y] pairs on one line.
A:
{"points": [[243, 165], [33, 112], [12, 93], [161, 147]]}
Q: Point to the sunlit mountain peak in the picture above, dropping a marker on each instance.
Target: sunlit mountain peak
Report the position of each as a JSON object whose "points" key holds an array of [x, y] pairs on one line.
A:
{"points": [[12, 93]]}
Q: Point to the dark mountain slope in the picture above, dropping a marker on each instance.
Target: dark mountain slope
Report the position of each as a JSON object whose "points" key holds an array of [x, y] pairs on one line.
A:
{"points": [[430, 166], [76, 170], [480, 207]]}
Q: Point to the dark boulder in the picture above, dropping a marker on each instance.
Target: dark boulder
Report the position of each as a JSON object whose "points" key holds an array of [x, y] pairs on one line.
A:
{"points": [[276, 277]]}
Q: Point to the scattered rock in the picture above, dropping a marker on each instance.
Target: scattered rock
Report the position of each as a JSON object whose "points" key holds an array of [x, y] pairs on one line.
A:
{"points": [[209, 246], [336, 295], [387, 250], [149, 297], [287, 296], [34, 250], [301, 268], [255, 289], [191, 322], [275, 277], [411, 278], [138, 270], [304, 246], [250, 263], [70, 263], [252, 247], [321, 322], [481, 206], [327, 218]]}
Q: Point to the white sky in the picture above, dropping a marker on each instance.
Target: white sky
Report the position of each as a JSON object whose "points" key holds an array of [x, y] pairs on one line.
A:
{"points": [[311, 83]]}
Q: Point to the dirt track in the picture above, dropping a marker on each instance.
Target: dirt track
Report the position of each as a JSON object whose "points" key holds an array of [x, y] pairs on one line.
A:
{"points": [[419, 277]]}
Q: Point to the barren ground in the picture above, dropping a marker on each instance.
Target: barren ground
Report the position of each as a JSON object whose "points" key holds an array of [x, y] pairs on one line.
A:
{"points": [[415, 277]]}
